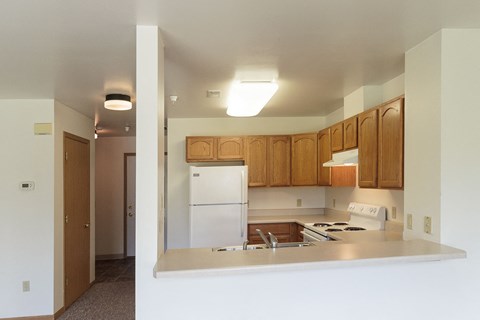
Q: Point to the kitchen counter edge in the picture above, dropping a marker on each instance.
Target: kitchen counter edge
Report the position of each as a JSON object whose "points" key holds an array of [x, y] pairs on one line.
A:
{"points": [[205, 262]]}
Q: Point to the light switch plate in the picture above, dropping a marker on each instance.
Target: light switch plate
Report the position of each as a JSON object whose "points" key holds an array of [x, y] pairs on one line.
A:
{"points": [[409, 221]]}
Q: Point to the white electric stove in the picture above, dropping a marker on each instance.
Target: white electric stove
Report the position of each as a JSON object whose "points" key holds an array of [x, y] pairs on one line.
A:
{"points": [[362, 217]]}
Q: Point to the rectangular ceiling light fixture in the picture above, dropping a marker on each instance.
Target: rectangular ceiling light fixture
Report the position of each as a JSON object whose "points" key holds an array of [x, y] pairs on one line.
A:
{"points": [[247, 98]]}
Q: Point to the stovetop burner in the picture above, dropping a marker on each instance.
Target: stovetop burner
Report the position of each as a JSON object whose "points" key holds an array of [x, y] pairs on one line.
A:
{"points": [[340, 224], [354, 229], [322, 224], [333, 230]]}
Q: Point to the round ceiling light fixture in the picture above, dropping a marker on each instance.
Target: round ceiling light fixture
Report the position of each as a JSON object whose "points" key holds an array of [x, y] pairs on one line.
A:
{"points": [[118, 102]]}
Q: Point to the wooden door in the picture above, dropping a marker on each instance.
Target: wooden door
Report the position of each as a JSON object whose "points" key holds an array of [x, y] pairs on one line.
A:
{"points": [[350, 133], [279, 165], [324, 155], [390, 145], [230, 148], [367, 149], [77, 217], [201, 149], [129, 204], [304, 159], [337, 137], [256, 160]]}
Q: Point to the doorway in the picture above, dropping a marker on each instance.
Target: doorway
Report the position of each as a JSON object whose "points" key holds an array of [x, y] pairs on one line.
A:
{"points": [[76, 184], [129, 204]]}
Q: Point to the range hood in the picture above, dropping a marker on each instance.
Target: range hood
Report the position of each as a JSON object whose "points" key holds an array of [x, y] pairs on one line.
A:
{"points": [[345, 158]]}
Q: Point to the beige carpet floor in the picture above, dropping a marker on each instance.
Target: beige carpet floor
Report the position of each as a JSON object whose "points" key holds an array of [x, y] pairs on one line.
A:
{"points": [[112, 296]]}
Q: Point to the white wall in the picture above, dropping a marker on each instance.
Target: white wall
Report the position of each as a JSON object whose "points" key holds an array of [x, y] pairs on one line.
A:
{"points": [[109, 186], [26, 228], [286, 197], [361, 99], [393, 88], [150, 166], [423, 135], [178, 129], [71, 121]]}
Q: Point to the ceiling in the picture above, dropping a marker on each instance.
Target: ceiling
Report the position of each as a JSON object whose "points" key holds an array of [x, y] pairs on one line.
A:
{"points": [[77, 51]]}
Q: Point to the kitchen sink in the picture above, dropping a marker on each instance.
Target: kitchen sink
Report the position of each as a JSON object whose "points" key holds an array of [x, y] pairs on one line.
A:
{"points": [[294, 244], [262, 246], [240, 248]]}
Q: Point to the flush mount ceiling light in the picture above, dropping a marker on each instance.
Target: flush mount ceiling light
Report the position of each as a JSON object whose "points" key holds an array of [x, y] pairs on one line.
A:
{"points": [[117, 102], [247, 98]]}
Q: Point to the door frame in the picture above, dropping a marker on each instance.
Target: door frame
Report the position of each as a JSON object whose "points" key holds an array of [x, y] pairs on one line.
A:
{"points": [[87, 142], [125, 205]]}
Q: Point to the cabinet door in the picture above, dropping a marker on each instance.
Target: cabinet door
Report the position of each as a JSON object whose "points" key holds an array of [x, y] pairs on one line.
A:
{"points": [[256, 160], [279, 161], [324, 155], [390, 145], [230, 148], [337, 137], [367, 149], [299, 228], [201, 149], [304, 159], [344, 176], [350, 133]]}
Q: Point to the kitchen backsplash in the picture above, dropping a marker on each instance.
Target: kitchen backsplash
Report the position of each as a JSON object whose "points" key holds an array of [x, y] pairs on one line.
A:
{"points": [[284, 212], [286, 198]]}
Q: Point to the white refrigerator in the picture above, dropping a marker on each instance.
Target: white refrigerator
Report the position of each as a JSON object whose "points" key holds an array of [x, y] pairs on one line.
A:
{"points": [[218, 206]]}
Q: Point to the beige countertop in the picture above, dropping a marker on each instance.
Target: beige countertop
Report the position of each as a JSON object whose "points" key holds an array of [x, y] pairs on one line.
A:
{"points": [[198, 262], [352, 249]]}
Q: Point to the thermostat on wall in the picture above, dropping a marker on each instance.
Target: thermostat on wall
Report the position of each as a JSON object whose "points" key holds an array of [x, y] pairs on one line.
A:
{"points": [[27, 185]]}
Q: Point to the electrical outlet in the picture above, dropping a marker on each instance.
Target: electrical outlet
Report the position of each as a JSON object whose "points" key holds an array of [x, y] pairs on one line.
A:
{"points": [[409, 221], [394, 212], [427, 225], [334, 203], [26, 286], [299, 202]]}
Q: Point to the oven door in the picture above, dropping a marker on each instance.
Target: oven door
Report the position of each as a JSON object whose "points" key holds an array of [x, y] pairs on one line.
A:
{"points": [[312, 236]]}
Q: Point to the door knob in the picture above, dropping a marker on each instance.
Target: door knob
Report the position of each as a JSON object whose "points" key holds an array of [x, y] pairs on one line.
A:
{"points": [[130, 214], [86, 225]]}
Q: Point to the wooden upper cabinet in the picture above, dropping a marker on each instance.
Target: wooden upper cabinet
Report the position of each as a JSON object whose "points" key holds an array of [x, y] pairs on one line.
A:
{"points": [[390, 145], [256, 160], [230, 148], [304, 159], [337, 137], [367, 149], [350, 133], [324, 155], [279, 165], [201, 149]]}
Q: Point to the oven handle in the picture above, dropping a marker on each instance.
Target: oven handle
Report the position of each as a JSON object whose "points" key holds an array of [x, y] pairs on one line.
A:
{"points": [[312, 238]]}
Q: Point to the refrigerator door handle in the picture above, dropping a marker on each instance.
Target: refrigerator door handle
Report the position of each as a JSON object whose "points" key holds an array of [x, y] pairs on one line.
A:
{"points": [[242, 184], [242, 211], [242, 231]]}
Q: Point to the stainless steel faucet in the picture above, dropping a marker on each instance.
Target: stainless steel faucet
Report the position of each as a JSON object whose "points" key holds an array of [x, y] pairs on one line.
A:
{"points": [[245, 245], [273, 240], [267, 243]]}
